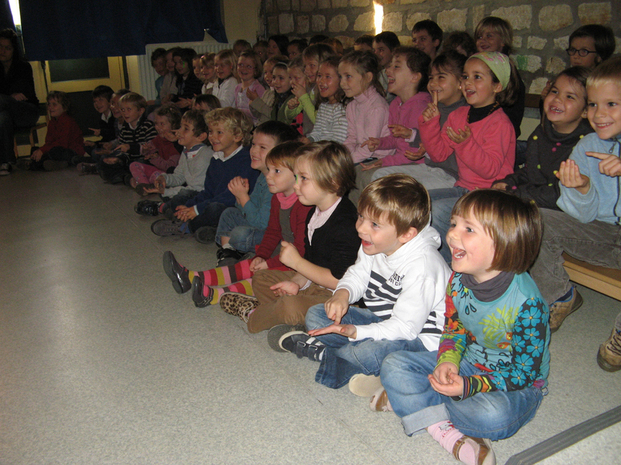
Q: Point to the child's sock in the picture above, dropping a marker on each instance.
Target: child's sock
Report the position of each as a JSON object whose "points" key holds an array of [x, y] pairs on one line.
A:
{"points": [[225, 274], [241, 287], [447, 435]]}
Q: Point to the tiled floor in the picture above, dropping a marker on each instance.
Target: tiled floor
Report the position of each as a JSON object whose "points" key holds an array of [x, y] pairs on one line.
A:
{"points": [[101, 362]]}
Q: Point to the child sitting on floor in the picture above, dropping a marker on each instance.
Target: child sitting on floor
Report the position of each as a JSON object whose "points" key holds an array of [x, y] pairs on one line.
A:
{"points": [[229, 133], [324, 173], [287, 222], [401, 278], [489, 375]]}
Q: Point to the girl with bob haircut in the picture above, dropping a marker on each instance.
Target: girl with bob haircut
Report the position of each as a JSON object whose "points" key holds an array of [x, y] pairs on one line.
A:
{"points": [[488, 377]]}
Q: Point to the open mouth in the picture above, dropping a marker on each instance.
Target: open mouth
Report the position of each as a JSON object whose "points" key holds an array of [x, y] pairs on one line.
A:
{"points": [[458, 253]]}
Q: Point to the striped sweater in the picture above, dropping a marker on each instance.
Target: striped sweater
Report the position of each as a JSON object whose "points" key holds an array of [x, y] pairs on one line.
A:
{"points": [[405, 289], [330, 124], [135, 137]]}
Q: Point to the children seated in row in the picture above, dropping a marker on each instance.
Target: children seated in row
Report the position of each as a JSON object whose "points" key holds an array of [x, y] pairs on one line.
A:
{"points": [[427, 37], [208, 72], [188, 178], [136, 130], [564, 124], [229, 135], [480, 134], [281, 83], [160, 155], [64, 140], [261, 107], [188, 85], [489, 375], [445, 88], [401, 278], [225, 63], [383, 45], [330, 120], [287, 221], [323, 175], [241, 228], [587, 228]]}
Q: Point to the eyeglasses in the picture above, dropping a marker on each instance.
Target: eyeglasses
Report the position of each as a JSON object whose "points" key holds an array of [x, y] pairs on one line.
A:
{"points": [[582, 52]]}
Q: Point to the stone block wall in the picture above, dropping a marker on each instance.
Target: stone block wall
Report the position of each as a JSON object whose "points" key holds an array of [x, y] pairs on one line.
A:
{"points": [[541, 30]]}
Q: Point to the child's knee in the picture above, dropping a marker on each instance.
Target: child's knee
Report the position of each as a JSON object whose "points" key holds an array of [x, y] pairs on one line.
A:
{"points": [[316, 317]]}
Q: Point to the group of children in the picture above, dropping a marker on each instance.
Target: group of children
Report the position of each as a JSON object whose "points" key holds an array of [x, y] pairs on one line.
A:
{"points": [[339, 188]]}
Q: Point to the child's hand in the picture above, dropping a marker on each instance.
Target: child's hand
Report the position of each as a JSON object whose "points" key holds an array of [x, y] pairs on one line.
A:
{"points": [[107, 146], [445, 380], [19, 96], [400, 131], [337, 305], [36, 155], [546, 90], [185, 213], [122, 148], [160, 183], [89, 143], [372, 143], [343, 330], [252, 95], [111, 160], [432, 108], [238, 186], [420, 153], [289, 255], [257, 264], [96, 132], [610, 165], [154, 190], [293, 103], [297, 90], [370, 166], [184, 103], [285, 288], [500, 186], [569, 175], [458, 136]]}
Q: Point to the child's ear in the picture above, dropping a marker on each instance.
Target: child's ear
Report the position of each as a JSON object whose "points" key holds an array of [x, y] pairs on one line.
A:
{"points": [[239, 137], [202, 137], [408, 235], [497, 88], [142, 110], [585, 112], [416, 77], [369, 76]]}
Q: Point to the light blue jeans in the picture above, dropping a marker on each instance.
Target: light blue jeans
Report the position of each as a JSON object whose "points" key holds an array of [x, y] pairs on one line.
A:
{"points": [[442, 203], [342, 358], [234, 225], [494, 415]]}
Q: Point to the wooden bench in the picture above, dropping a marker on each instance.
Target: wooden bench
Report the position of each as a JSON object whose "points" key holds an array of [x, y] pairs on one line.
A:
{"points": [[604, 280]]}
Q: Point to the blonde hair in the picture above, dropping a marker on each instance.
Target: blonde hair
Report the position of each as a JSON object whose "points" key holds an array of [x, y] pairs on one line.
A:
{"points": [[514, 225], [284, 154], [365, 62], [401, 198], [136, 99], [232, 119], [501, 27], [228, 57], [331, 166], [607, 72]]}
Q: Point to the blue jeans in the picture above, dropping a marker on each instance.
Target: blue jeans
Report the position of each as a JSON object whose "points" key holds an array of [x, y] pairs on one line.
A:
{"points": [[494, 415], [343, 358], [181, 198], [209, 217], [442, 203], [234, 225]]}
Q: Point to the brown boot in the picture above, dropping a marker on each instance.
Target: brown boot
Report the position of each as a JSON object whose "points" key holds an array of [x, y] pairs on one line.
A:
{"points": [[560, 310]]}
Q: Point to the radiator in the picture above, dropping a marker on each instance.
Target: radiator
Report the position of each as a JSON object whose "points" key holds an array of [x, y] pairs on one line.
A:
{"points": [[148, 75]]}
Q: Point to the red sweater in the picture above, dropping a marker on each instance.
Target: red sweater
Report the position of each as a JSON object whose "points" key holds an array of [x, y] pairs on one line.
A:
{"points": [[273, 233], [64, 132], [168, 154]]}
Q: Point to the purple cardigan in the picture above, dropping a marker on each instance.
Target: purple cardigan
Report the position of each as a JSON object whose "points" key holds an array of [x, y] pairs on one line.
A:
{"points": [[406, 114], [367, 116]]}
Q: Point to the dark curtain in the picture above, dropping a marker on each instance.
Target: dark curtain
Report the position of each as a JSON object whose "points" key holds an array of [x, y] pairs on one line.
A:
{"points": [[69, 29]]}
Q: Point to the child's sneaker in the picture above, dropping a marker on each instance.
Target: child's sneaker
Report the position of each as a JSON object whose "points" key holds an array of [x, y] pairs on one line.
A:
{"points": [[561, 309], [237, 304], [362, 385], [148, 207], [177, 273], [303, 345], [609, 355], [275, 334], [205, 234], [86, 168], [165, 228]]}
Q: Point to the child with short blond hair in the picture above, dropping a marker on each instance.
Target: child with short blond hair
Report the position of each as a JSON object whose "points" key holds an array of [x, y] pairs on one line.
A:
{"points": [[401, 278], [225, 63]]}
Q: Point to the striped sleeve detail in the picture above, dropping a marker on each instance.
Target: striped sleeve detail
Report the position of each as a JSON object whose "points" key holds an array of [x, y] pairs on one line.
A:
{"points": [[380, 296]]}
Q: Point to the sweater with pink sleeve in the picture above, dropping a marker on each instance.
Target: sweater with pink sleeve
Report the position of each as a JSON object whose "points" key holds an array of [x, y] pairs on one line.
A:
{"points": [[367, 116], [405, 114], [488, 154]]}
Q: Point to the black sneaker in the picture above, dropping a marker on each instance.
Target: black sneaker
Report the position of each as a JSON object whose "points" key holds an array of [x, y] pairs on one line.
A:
{"points": [[177, 273], [227, 257], [275, 334], [148, 208], [205, 234], [302, 345]]}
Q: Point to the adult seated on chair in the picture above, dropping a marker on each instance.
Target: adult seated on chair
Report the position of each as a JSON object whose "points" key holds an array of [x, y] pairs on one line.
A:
{"points": [[19, 106]]}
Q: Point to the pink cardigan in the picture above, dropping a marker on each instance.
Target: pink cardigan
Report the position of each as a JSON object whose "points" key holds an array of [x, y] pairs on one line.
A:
{"points": [[367, 116], [488, 154], [405, 114]]}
